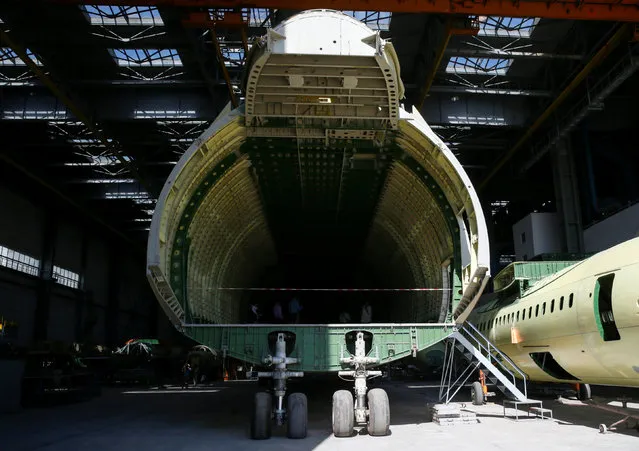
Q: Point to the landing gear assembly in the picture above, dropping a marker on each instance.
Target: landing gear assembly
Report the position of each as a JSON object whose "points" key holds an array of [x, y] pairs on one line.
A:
{"points": [[295, 415], [346, 412]]}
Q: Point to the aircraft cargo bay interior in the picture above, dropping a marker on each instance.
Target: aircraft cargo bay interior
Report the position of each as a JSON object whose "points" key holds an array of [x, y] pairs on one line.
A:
{"points": [[317, 223]]}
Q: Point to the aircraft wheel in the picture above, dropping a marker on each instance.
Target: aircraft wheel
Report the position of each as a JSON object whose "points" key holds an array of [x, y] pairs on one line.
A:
{"points": [[261, 421], [477, 393], [343, 413], [297, 415], [602, 428], [584, 392], [379, 412]]}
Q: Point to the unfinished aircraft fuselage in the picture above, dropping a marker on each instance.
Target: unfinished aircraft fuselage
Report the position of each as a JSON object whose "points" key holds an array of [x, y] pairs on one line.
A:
{"points": [[320, 161]]}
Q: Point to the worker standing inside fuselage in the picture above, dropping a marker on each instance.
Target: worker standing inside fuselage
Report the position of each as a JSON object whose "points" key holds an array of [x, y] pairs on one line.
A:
{"points": [[294, 309], [278, 316], [367, 313]]}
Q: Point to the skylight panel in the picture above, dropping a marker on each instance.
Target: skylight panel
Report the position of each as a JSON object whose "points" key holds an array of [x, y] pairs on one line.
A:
{"points": [[146, 57], [139, 197], [514, 27], [108, 181], [10, 58], [124, 195], [26, 115], [260, 17], [479, 66], [98, 160], [491, 120], [122, 15], [377, 20], [163, 114]]}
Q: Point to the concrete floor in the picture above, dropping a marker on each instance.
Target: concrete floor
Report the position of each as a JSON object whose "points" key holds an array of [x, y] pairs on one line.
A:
{"points": [[216, 418]]}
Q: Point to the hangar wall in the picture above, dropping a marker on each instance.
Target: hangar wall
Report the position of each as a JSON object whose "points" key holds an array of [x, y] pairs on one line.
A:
{"points": [[113, 300], [613, 230]]}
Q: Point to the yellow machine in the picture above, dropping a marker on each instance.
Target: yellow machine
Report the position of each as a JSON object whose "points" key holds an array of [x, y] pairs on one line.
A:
{"points": [[571, 322]]}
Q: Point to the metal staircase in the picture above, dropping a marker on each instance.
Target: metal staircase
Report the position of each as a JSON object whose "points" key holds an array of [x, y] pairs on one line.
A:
{"points": [[480, 353], [171, 305]]}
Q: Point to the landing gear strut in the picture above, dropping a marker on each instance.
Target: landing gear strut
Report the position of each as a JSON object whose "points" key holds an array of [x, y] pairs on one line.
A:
{"points": [[346, 412], [296, 413]]}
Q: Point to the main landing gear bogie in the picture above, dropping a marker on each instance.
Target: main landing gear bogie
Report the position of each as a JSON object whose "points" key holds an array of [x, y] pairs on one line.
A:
{"points": [[269, 407], [370, 407]]}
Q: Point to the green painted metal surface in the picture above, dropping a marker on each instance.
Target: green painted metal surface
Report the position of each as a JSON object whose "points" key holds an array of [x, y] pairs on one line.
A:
{"points": [[181, 242], [320, 347], [332, 206], [530, 272]]}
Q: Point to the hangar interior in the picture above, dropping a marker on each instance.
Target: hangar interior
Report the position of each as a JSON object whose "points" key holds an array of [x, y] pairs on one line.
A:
{"points": [[99, 101]]}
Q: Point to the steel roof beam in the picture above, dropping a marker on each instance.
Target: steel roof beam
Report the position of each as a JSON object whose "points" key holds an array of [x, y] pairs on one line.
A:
{"points": [[592, 101], [490, 91], [73, 107], [623, 11], [622, 33], [485, 53]]}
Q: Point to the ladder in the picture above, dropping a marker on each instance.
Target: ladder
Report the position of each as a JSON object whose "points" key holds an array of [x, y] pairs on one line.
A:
{"points": [[171, 305], [480, 352]]}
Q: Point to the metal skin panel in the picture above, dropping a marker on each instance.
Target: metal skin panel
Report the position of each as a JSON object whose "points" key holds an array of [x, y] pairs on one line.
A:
{"points": [[320, 346], [321, 149], [571, 334]]}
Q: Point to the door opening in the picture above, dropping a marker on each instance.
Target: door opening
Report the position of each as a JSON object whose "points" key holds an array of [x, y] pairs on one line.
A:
{"points": [[603, 308]]}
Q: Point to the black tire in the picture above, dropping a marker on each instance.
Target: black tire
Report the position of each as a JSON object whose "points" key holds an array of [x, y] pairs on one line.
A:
{"points": [[297, 413], [343, 413], [261, 421], [477, 393], [584, 393], [378, 412]]}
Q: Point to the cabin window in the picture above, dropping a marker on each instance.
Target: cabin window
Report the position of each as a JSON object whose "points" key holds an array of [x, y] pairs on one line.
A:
{"points": [[543, 309], [523, 314], [603, 308], [561, 303], [570, 301], [518, 316], [529, 312], [536, 310], [552, 306]]}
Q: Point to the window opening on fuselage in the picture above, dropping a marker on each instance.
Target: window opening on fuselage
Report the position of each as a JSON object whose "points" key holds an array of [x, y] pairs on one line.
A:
{"points": [[529, 312], [543, 308], [561, 303], [552, 306], [517, 316], [570, 301], [602, 303], [536, 310]]}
